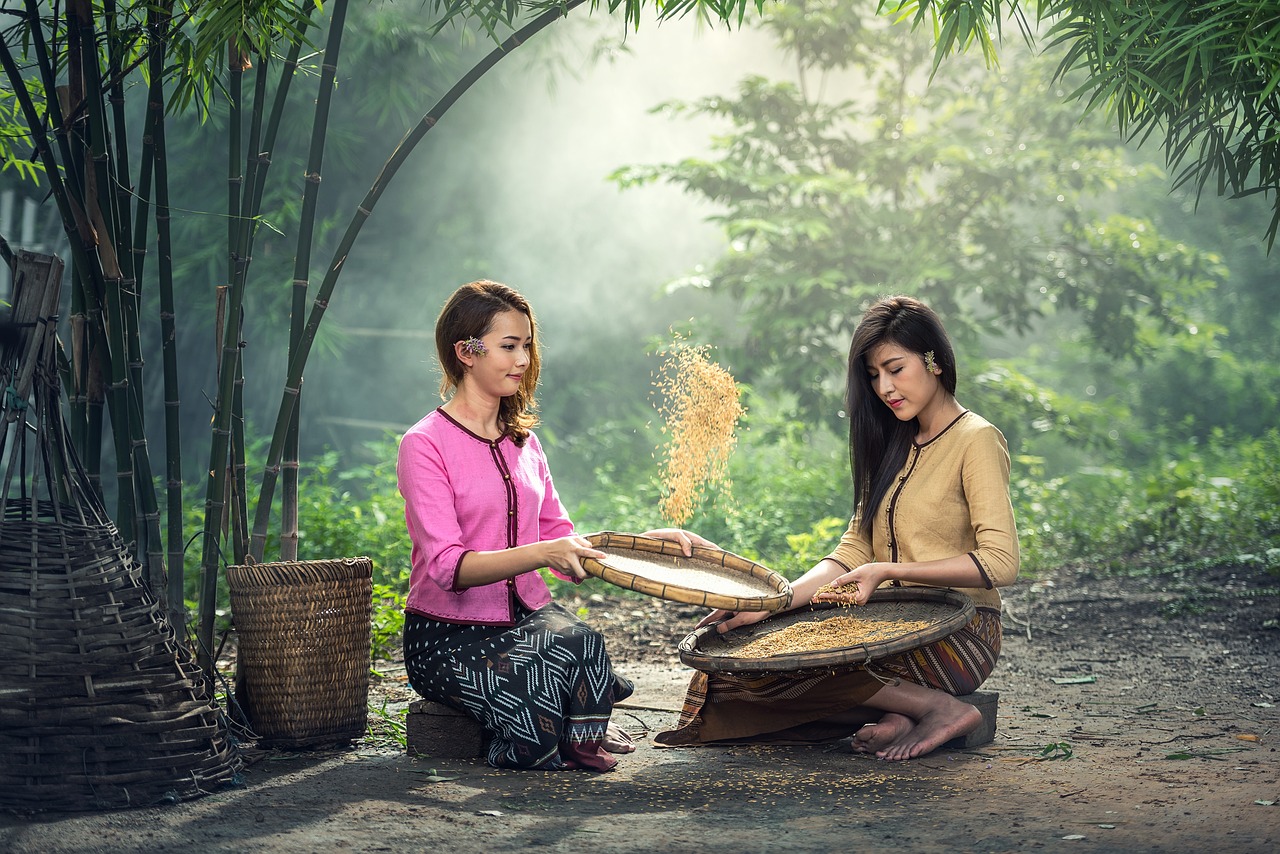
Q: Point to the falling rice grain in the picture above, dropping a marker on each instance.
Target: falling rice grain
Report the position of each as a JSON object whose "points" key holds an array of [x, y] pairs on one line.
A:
{"points": [[700, 408]]}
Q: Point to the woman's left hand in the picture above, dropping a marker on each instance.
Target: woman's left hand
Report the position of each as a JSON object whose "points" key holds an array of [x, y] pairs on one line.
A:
{"points": [[686, 539]]}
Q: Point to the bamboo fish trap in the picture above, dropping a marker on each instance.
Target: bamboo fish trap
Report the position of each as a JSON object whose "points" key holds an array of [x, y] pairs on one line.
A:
{"points": [[101, 705]]}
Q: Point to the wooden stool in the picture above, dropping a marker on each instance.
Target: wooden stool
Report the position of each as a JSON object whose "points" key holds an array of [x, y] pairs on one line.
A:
{"points": [[436, 730], [987, 702]]}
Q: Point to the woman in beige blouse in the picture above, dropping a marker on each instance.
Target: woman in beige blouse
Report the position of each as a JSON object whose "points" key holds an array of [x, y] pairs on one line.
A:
{"points": [[932, 508]]}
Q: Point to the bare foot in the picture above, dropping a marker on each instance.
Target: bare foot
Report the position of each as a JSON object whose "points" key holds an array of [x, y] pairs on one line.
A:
{"points": [[943, 723], [872, 738], [617, 740]]}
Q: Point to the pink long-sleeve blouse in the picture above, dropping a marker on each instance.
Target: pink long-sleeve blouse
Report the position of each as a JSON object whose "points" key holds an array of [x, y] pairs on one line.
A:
{"points": [[462, 493]]}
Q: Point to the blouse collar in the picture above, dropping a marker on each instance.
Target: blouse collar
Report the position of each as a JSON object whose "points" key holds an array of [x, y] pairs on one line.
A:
{"points": [[464, 429], [941, 432]]}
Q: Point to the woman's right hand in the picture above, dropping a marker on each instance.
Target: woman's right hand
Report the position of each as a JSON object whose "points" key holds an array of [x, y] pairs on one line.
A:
{"points": [[566, 554], [729, 620]]}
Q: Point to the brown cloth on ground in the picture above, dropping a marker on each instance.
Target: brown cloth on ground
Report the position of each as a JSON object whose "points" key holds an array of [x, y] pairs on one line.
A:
{"points": [[793, 708]]}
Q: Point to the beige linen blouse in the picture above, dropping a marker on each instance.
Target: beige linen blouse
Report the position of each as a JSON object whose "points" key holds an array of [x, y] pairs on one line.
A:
{"points": [[951, 497]]}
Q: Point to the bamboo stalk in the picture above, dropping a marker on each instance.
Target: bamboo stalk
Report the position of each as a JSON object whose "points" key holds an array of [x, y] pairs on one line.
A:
{"points": [[242, 248], [220, 446], [302, 266], [237, 269], [115, 167], [153, 166], [169, 345], [222, 449], [64, 183], [297, 362], [113, 324], [238, 500], [216, 488]]}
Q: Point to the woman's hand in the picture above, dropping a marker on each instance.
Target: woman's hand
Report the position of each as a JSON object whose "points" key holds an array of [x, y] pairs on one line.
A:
{"points": [[566, 554], [729, 620], [865, 579], [686, 539]]}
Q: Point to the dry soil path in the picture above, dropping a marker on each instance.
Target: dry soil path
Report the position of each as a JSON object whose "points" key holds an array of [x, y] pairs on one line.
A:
{"points": [[1121, 729]]}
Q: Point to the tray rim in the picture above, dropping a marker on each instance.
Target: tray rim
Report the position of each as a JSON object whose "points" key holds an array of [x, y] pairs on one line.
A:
{"points": [[779, 599], [840, 657]]}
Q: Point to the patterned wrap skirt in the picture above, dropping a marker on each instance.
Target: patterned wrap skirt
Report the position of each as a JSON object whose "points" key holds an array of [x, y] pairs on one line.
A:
{"points": [[543, 689], [797, 708]]}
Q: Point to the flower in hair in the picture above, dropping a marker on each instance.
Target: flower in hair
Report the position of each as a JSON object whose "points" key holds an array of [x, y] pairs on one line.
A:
{"points": [[929, 364], [474, 347]]}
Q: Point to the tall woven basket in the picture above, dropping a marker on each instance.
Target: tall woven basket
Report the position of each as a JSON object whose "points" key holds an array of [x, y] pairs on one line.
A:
{"points": [[101, 706], [303, 629]]}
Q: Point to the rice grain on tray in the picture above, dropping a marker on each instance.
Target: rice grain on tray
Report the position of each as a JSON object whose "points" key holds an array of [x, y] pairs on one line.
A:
{"points": [[679, 572], [831, 633], [700, 410]]}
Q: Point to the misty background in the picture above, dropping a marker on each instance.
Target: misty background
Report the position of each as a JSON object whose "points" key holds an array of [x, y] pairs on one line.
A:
{"points": [[513, 186], [1122, 334]]}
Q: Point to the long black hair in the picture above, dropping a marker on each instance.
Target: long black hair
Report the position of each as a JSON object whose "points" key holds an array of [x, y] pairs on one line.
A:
{"points": [[878, 441]]}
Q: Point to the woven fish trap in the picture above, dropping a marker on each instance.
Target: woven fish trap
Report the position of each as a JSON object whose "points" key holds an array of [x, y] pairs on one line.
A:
{"points": [[893, 621], [100, 706], [710, 577], [303, 629]]}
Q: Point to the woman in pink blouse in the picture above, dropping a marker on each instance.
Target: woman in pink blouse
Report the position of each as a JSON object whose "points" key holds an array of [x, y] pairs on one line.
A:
{"points": [[932, 508], [481, 632]]}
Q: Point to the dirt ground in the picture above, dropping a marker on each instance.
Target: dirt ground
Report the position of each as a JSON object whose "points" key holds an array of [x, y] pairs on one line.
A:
{"points": [[1130, 719]]}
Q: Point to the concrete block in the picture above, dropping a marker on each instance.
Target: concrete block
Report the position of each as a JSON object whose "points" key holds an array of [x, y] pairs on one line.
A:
{"points": [[988, 703], [436, 730]]}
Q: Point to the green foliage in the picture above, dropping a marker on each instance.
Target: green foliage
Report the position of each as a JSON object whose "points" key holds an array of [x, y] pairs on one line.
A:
{"points": [[1212, 503], [811, 546], [15, 138], [1026, 409], [493, 16], [359, 512], [352, 511], [1202, 73], [973, 192]]}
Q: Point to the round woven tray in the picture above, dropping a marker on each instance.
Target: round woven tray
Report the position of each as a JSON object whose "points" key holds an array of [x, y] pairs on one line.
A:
{"points": [[711, 577], [946, 611]]}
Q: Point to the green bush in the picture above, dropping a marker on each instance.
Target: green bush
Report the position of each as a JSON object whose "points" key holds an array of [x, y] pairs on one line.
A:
{"points": [[356, 512], [1199, 502]]}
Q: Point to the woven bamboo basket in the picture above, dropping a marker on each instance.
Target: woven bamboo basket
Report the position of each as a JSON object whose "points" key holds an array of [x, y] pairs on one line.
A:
{"points": [[101, 705], [711, 577], [943, 611], [303, 629]]}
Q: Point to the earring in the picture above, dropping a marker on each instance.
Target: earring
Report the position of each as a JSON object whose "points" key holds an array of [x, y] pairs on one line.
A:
{"points": [[474, 347], [929, 364]]}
